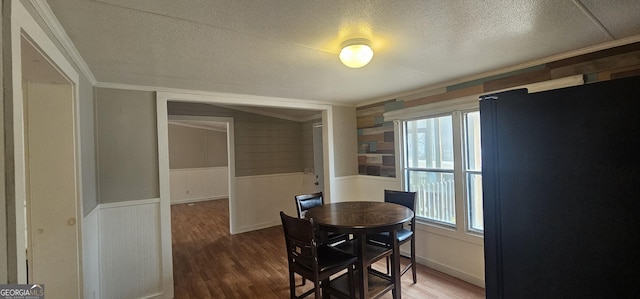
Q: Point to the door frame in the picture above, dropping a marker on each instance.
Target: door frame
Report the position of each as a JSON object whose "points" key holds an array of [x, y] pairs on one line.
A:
{"points": [[163, 97], [316, 132], [24, 26]]}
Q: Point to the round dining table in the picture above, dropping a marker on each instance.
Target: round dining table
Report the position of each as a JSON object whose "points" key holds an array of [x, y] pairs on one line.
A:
{"points": [[361, 218]]}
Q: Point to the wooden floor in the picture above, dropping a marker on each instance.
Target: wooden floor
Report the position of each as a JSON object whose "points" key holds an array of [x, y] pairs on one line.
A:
{"points": [[208, 262]]}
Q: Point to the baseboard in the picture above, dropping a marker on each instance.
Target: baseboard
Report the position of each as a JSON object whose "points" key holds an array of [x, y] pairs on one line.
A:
{"points": [[155, 296], [452, 271], [256, 227], [190, 200]]}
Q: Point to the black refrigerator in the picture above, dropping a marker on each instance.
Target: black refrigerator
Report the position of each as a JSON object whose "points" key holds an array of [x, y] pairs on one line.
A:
{"points": [[561, 187]]}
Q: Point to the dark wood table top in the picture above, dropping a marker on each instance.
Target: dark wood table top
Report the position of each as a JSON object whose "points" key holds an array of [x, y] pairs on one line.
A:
{"points": [[360, 215], [361, 218]]}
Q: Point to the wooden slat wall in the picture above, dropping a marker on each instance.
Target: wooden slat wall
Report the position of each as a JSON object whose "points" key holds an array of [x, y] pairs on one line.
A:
{"points": [[377, 137], [446, 96], [517, 80], [598, 65]]}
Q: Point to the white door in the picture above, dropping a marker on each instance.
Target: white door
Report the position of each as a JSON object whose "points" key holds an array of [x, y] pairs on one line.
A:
{"points": [[53, 243], [318, 165]]}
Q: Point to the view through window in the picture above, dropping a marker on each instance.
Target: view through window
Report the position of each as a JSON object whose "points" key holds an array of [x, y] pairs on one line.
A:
{"points": [[442, 164]]}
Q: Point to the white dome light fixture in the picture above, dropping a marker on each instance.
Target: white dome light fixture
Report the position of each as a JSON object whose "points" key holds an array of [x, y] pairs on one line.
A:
{"points": [[356, 52]]}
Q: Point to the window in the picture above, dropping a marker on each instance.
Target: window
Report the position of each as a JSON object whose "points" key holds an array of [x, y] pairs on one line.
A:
{"points": [[473, 170], [442, 163], [429, 167]]}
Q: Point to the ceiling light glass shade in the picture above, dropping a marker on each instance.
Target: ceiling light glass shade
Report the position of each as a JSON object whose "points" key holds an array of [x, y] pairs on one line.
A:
{"points": [[356, 53]]}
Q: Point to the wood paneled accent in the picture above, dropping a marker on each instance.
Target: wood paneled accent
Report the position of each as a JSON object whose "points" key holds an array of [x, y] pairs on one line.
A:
{"points": [[597, 65], [619, 73], [366, 121], [517, 80], [386, 147], [375, 138], [373, 110], [209, 262], [377, 104], [446, 96], [624, 74], [594, 56]]}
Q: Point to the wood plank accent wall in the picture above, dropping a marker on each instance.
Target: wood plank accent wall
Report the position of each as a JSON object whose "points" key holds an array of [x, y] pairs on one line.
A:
{"points": [[376, 149], [375, 137]]}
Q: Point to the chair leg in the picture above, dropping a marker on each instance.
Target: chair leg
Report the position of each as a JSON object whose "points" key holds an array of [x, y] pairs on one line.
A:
{"points": [[413, 260], [388, 266], [325, 294], [352, 282], [391, 265], [292, 284]]}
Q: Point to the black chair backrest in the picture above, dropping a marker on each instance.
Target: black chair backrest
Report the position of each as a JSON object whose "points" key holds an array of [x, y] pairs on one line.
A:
{"points": [[308, 201], [405, 198], [299, 237]]}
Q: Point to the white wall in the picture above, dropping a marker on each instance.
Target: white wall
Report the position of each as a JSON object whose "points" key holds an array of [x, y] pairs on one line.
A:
{"points": [[442, 250], [135, 270], [259, 199], [91, 254], [197, 184]]}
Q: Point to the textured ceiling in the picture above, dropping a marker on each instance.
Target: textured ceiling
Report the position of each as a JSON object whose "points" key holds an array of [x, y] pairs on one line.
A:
{"points": [[289, 48]]}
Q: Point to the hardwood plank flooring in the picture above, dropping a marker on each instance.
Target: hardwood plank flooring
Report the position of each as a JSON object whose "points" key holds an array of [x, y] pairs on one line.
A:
{"points": [[208, 262]]}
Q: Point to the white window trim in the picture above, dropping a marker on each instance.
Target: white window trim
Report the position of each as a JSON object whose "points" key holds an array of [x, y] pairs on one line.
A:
{"points": [[460, 229]]}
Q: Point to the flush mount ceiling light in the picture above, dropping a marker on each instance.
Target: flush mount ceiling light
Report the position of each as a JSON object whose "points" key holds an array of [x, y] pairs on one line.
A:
{"points": [[356, 52]]}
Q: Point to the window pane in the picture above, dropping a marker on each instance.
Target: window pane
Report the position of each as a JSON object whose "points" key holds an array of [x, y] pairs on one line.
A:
{"points": [[474, 197], [430, 143], [435, 195], [473, 170], [472, 132]]}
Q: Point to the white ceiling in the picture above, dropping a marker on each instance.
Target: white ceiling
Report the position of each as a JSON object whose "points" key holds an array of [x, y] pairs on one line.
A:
{"points": [[288, 49]]}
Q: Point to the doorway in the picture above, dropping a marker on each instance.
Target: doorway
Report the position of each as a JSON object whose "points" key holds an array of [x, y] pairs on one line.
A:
{"points": [[318, 161], [51, 191], [195, 179]]}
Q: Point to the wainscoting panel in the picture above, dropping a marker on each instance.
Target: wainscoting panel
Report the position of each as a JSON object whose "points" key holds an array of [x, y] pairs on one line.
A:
{"points": [[130, 250], [259, 199], [371, 188], [196, 184], [362, 188], [344, 188], [91, 254]]}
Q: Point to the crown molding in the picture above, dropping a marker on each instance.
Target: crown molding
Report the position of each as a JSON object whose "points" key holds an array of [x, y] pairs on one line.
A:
{"points": [[52, 23]]}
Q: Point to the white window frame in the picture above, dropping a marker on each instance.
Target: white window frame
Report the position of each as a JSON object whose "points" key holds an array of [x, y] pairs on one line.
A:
{"points": [[462, 210], [455, 108], [466, 171]]}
